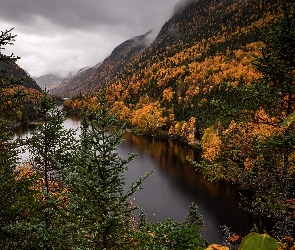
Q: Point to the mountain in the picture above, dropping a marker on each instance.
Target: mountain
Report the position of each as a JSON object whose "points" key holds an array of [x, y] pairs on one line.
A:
{"points": [[12, 70], [49, 81], [203, 44], [19, 93], [75, 83], [89, 80], [182, 5], [195, 49], [127, 52], [197, 30]]}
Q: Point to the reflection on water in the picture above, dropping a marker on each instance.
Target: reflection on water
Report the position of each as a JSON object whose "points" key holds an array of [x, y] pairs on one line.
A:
{"points": [[174, 184]]}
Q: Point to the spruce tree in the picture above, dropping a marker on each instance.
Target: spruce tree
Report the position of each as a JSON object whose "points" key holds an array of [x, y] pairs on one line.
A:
{"points": [[51, 149], [169, 234], [16, 196], [99, 203]]}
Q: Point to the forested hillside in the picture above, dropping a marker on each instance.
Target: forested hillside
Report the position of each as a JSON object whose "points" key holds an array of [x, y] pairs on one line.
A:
{"points": [[18, 91], [203, 44], [12, 70], [220, 76]]}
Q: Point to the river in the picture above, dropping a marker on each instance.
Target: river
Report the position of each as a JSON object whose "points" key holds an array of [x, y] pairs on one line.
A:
{"points": [[174, 185]]}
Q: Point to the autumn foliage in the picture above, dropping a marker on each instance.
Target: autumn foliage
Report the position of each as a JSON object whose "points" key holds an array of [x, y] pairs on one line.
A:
{"points": [[223, 88]]}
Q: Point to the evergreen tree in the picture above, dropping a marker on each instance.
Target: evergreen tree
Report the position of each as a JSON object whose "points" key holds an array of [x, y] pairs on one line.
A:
{"points": [[51, 149], [98, 202], [194, 218], [170, 234], [16, 196]]}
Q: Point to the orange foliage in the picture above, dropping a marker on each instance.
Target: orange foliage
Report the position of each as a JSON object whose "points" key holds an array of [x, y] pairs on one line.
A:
{"points": [[168, 94], [211, 144], [26, 171], [242, 136], [186, 130], [148, 117], [123, 112]]}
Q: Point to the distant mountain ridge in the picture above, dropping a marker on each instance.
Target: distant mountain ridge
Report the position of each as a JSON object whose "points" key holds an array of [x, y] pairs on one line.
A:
{"points": [[182, 5], [48, 81], [74, 84], [89, 80]]}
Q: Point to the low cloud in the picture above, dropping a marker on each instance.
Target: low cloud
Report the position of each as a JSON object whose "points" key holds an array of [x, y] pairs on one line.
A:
{"points": [[60, 36]]}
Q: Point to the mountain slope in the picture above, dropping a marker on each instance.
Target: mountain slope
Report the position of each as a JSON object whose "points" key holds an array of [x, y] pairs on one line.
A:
{"points": [[18, 93], [48, 81], [205, 42], [89, 80], [12, 70], [122, 55], [197, 48], [74, 84]]}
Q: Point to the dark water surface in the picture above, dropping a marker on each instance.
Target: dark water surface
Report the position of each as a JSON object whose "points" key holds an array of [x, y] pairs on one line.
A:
{"points": [[174, 185]]}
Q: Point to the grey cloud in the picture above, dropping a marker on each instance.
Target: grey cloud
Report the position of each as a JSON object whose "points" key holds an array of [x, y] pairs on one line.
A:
{"points": [[70, 13], [86, 30], [76, 14]]}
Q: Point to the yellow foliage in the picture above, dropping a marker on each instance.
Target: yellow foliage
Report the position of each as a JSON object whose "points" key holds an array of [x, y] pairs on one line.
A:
{"points": [[168, 94], [171, 117], [264, 129], [211, 144], [242, 136], [172, 130], [120, 109], [191, 128], [67, 103], [176, 129], [19, 115], [26, 171], [185, 130], [148, 117], [248, 163], [216, 247]]}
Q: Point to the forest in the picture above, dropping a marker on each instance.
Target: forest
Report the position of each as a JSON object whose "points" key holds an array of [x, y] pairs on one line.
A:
{"points": [[237, 107], [69, 193]]}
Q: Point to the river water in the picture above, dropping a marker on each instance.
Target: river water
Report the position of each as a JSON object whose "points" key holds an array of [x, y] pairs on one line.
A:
{"points": [[174, 185]]}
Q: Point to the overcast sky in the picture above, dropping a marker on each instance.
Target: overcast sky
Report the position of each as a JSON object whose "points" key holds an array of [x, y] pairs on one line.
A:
{"points": [[59, 36]]}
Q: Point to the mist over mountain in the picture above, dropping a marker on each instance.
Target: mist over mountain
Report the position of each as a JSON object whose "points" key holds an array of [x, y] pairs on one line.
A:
{"points": [[89, 80], [182, 5], [48, 81], [75, 83]]}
